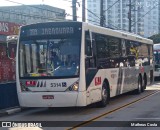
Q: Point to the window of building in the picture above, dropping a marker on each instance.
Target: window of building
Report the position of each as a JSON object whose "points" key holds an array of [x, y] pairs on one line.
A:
{"points": [[94, 5]]}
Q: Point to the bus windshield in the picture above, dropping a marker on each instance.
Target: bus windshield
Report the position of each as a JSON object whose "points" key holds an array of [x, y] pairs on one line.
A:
{"points": [[49, 57], [157, 57]]}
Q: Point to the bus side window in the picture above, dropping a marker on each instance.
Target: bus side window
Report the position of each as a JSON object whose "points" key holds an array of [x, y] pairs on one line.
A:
{"points": [[89, 59], [123, 48], [88, 50]]}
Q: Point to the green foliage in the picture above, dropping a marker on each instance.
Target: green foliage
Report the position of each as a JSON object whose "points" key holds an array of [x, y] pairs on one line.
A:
{"points": [[155, 38]]}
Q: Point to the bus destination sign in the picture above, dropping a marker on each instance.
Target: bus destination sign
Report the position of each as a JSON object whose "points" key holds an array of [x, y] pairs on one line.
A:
{"points": [[50, 31]]}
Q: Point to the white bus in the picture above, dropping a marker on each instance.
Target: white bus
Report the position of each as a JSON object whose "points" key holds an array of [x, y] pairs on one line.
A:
{"points": [[69, 64], [156, 48]]}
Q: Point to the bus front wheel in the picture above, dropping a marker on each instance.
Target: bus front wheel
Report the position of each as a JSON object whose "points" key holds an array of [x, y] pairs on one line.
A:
{"points": [[105, 96]]}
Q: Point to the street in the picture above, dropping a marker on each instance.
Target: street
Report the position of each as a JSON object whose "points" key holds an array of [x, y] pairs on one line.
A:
{"points": [[127, 107], [58, 56]]}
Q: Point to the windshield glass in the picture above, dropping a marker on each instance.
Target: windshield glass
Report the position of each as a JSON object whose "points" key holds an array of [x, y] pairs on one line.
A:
{"points": [[157, 57], [157, 67], [49, 57]]}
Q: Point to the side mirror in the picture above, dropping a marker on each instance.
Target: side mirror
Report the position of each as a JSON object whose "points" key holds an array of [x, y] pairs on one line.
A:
{"points": [[11, 46]]}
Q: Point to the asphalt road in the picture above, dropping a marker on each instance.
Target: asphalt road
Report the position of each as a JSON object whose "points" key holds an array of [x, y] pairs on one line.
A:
{"points": [[146, 109]]}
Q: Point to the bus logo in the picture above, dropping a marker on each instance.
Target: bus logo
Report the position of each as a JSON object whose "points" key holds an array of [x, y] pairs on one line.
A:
{"points": [[30, 83], [97, 81], [64, 84]]}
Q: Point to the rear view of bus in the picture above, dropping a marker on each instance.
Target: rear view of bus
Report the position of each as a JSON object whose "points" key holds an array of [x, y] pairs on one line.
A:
{"points": [[48, 66]]}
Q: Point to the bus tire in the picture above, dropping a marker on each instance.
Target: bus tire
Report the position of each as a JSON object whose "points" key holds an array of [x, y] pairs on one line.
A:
{"points": [[139, 89], [105, 96]]}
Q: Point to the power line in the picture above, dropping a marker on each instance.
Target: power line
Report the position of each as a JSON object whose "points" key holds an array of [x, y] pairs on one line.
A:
{"points": [[28, 15], [102, 20], [145, 14], [62, 14], [97, 23], [114, 26], [99, 19], [105, 26], [92, 13], [111, 6], [105, 10], [35, 7]]}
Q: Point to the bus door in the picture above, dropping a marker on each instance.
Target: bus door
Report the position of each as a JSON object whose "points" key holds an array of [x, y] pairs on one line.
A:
{"points": [[90, 68], [121, 68], [128, 64], [132, 57]]}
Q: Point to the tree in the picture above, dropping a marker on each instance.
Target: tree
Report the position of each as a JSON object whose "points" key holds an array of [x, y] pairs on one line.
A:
{"points": [[155, 38]]}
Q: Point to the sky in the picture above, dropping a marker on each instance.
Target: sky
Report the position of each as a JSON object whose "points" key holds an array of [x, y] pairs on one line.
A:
{"points": [[63, 4]]}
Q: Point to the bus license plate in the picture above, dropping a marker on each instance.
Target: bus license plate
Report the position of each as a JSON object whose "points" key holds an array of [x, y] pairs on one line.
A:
{"points": [[48, 97]]}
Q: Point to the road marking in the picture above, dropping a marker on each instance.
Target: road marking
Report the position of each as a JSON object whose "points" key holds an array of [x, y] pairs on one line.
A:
{"points": [[110, 112]]}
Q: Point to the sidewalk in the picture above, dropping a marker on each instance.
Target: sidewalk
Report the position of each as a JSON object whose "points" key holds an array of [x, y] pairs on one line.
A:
{"points": [[9, 111]]}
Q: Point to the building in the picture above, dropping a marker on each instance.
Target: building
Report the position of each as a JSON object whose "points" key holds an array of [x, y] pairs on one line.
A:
{"points": [[116, 15], [152, 19], [11, 17], [8, 28], [27, 14]]}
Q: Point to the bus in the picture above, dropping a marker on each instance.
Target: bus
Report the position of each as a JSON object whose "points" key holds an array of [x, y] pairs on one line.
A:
{"points": [[156, 48], [74, 64]]}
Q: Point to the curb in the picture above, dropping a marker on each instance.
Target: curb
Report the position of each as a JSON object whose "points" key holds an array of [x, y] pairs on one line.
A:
{"points": [[3, 113], [9, 111]]}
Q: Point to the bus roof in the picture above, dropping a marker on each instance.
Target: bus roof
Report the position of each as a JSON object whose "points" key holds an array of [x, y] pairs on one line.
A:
{"points": [[106, 31], [118, 33]]}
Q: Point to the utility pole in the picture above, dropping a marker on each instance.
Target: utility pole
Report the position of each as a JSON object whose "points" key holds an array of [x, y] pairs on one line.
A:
{"points": [[101, 14], [83, 10], [129, 15], [74, 10]]}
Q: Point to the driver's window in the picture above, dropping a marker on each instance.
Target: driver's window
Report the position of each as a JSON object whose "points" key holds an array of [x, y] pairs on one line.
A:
{"points": [[90, 60], [88, 50]]}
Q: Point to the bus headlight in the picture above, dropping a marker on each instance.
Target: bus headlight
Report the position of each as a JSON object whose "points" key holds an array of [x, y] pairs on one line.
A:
{"points": [[73, 87], [24, 88]]}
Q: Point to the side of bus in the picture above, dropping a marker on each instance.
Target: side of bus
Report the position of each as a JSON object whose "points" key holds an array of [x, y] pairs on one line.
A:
{"points": [[115, 63]]}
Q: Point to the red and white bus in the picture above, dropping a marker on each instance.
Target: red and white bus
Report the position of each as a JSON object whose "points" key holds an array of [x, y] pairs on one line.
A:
{"points": [[64, 64]]}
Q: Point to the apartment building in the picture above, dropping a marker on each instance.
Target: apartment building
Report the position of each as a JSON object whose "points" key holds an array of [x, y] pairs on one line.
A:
{"points": [[27, 14], [145, 15]]}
